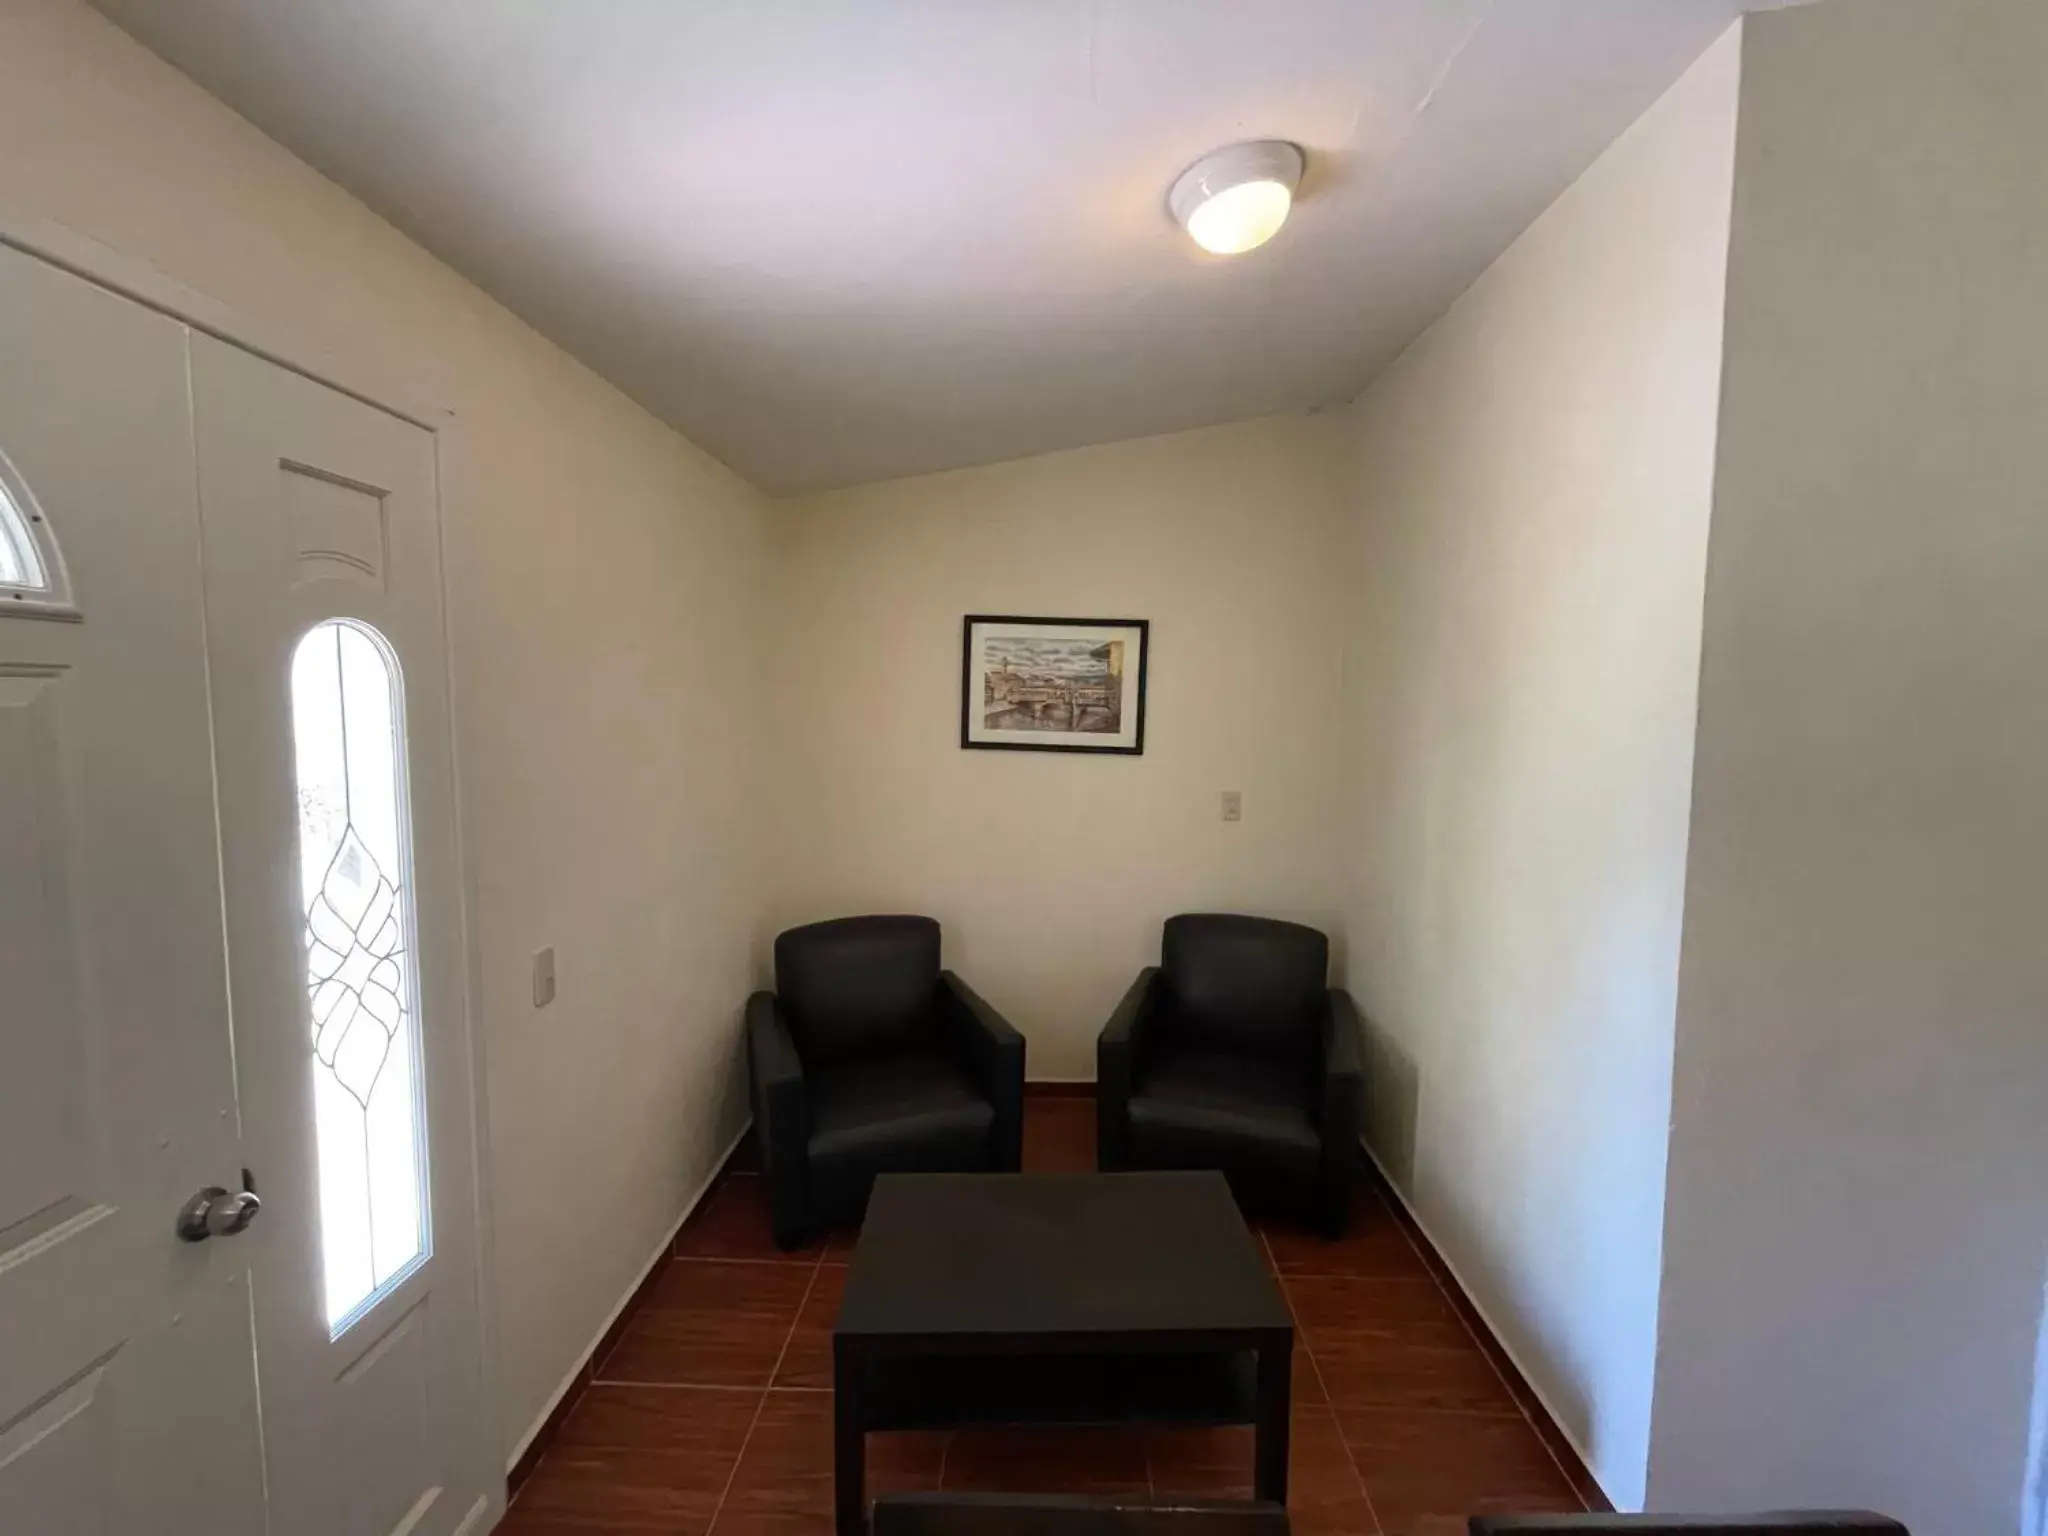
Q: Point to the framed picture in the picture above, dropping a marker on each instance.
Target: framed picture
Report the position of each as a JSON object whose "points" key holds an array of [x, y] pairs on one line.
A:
{"points": [[1053, 685]]}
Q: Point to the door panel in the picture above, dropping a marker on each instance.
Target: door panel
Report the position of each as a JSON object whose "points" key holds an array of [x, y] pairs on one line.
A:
{"points": [[53, 1464], [125, 1354], [319, 508], [44, 1157], [385, 1399]]}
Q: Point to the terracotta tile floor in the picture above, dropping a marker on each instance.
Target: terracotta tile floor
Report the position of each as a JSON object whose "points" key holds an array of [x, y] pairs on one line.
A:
{"points": [[712, 1413]]}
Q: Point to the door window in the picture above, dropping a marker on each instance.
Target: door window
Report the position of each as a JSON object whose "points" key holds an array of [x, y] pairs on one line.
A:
{"points": [[355, 858]]}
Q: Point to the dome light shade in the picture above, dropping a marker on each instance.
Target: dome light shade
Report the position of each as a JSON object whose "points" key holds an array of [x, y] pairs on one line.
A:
{"points": [[1237, 198]]}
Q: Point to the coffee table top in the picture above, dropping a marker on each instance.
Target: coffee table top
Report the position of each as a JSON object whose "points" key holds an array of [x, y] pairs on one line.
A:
{"points": [[1046, 1255]]}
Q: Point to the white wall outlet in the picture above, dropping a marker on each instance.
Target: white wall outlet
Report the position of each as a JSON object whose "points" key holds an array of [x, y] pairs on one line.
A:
{"points": [[543, 976], [1233, 805]]}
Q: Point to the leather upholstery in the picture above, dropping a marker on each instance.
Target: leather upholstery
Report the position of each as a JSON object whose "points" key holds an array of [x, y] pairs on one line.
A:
{"points": [[1196, 1107], [1235, 1054], [1116, 1062], [917, 1111], [1341, 1117], [869, 1059], [782, 1118], [1244, 983], [858, 985], [994, 1054]]}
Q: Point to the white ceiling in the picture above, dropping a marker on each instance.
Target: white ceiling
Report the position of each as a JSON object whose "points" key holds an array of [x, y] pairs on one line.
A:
{"points": [[841, 240]]}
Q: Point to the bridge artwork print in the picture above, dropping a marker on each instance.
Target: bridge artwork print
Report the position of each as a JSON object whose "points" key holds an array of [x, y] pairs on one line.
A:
{"points": [[1053, 685]]}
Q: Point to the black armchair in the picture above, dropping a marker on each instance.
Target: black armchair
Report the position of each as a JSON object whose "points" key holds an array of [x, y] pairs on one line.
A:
{"points": [[868, 1058], [1235, 1053]]}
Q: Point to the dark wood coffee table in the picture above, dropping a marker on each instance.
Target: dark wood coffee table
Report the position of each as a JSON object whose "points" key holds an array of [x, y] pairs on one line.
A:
{"points": [[1090, 1298]]}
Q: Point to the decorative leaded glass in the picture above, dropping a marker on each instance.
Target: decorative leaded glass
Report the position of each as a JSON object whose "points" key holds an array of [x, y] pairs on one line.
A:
{"points": [[348, 728]]}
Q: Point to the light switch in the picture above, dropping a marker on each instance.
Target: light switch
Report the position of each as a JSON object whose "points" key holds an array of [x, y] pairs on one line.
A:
{"points": [[543, 976], [1233, 805]]}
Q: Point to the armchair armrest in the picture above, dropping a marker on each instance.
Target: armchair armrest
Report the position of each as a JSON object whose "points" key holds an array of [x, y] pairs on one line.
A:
{"points": [[1343, 1104], [995, 1052], [1117, 1050], [781, 1114], [1343, 1060]]}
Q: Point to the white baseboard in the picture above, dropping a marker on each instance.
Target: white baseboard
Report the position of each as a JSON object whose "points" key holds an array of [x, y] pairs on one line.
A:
{"points": [[1499, 1338], [690, 1206], [657, 1257]]}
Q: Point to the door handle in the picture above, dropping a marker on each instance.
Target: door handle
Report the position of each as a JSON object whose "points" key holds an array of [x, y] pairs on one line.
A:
{"points": [[214, 1212]]}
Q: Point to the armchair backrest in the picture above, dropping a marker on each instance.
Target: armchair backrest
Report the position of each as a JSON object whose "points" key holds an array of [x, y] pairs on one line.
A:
{"points": [[859, 986], [1244, 983]]}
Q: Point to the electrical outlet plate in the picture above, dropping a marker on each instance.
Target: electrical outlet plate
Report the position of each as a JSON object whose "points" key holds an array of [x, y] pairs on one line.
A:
{"points": [[1233, 805]]}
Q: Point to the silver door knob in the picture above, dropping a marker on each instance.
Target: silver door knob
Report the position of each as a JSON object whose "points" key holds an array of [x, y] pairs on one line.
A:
{"points": [[214, 1212]]}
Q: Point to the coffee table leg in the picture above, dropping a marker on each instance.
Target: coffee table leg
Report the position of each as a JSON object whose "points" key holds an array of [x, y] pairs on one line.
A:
{"points": [[849, 1458], [1275, 1408]]}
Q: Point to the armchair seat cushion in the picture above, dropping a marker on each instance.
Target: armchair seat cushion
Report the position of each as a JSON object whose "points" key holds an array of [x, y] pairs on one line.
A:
{"points": [[898, 1113], [1195, 1106]]}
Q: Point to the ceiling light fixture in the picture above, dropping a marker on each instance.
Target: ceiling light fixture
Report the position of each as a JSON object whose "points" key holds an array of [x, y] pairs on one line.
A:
{"points": [[1237, 198]]}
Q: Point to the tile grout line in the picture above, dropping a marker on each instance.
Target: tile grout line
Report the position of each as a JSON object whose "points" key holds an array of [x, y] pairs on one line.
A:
{"points": [[1322, 1382], [565, 1407], [776, 1263], [760, 1406], [598, 1378], [1521, 1408], [1336, 1423], [733, 1258]]}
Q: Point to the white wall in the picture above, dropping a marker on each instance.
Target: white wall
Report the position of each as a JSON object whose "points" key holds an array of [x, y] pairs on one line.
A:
{"points": [[607, 582], [1052, 872], [1532, 484], [1858, 1214], [1486, 783]]}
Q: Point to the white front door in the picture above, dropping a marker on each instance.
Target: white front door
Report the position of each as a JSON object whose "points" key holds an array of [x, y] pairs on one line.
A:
{"points": [[128, 1394], [334, 750], [230, 949]]}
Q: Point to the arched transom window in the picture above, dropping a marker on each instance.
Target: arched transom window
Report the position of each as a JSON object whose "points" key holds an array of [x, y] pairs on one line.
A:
{"points": [[32, 580], [21, 563], [28, 567]]}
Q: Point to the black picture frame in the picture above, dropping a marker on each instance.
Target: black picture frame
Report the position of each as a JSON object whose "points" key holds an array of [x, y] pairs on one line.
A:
{"points": [[971, 686]]}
